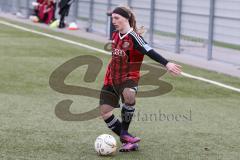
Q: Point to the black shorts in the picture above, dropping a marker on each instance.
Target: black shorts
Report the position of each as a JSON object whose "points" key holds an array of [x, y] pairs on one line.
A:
{"points": [[111, 95]]}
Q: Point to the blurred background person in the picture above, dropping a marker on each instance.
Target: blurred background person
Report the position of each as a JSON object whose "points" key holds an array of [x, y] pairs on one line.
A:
{"points": [[64, 7]]}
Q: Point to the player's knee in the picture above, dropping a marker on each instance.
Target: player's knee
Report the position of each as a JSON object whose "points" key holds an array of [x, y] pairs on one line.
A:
{"points": [[129, 99], [129, 96]]}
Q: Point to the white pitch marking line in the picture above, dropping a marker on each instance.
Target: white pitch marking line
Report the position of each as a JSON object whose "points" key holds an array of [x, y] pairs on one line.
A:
{"points": [[55, 37], [105, 52], [210, 81]]}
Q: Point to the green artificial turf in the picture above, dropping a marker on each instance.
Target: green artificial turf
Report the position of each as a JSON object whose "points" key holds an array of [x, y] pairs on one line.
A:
{"points": [[208, 127]]}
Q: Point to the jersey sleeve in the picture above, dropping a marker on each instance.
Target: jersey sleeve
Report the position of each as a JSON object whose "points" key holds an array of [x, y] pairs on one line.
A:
{"points": [[140, 44]]}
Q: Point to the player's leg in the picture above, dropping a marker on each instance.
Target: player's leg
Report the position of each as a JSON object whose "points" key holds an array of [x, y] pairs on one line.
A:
{"points": [[109, 118], [127, 112], [108, 101], [128, 107]]}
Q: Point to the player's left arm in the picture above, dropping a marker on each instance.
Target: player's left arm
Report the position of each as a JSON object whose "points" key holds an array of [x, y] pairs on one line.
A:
{"points": [[173, 68], [144, 48]]}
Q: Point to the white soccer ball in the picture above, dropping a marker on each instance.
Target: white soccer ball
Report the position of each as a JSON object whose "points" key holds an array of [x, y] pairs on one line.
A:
{"points": [[105, 144]]}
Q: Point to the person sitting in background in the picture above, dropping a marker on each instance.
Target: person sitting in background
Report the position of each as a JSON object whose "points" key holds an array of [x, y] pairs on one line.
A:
{"points": [[36, 6], [34, 12], [46, 11]]}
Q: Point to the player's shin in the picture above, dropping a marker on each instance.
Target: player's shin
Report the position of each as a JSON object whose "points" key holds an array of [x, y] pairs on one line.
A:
{"points": [[126, 114], [114, 124]]}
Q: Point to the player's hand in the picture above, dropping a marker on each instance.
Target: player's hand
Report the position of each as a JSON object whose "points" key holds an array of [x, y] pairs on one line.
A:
{"points": [[174, 69]]}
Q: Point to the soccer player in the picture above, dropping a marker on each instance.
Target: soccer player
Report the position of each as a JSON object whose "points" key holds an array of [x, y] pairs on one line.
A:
{"points": [[123, 73]]}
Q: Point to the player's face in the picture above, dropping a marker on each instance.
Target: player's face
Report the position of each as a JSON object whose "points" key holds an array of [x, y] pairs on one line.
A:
{"points": [[119, 21]]}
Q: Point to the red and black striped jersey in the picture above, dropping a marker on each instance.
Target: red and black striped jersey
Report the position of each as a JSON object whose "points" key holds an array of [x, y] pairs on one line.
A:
{"points": [[127, 56]]}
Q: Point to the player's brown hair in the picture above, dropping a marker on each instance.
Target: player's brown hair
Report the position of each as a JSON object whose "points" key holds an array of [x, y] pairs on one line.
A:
{"points": [[132, 20]]}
